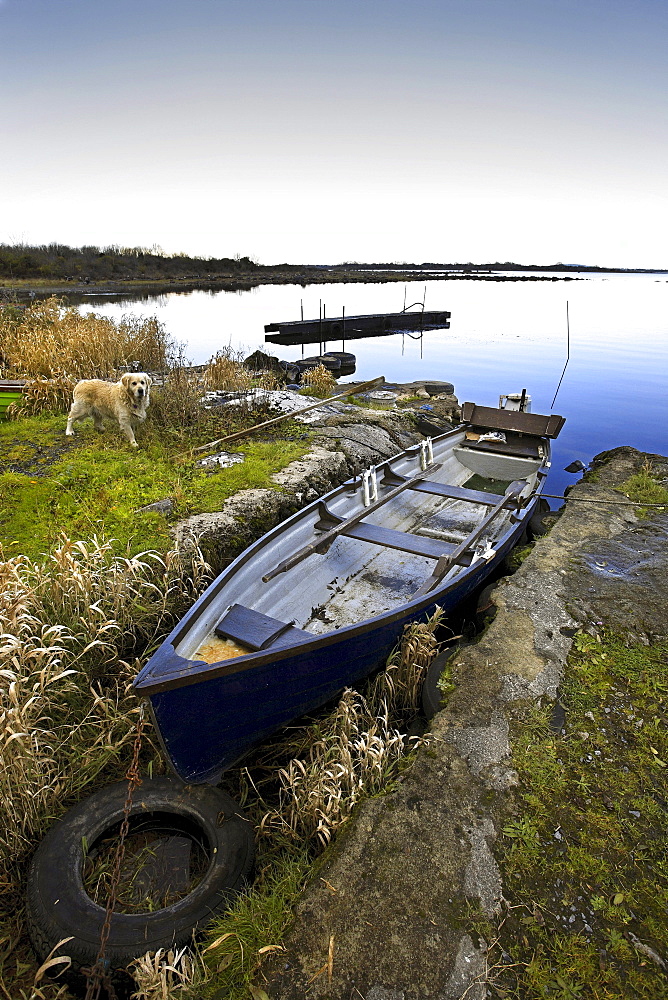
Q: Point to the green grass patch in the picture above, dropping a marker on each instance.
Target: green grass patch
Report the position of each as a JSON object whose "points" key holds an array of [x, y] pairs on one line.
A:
{"points": [[585, 861], [95, 484], [243, 936], [645, 488]]}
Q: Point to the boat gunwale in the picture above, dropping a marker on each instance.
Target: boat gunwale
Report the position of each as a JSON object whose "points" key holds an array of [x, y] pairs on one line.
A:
{"points": [[169, 669]]}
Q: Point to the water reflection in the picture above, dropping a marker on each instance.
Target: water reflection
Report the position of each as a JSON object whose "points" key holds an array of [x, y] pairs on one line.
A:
{"points": [[503, 337]]}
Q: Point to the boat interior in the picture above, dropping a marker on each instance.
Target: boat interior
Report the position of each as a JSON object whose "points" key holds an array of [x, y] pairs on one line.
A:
{"points": [[393, 534]]}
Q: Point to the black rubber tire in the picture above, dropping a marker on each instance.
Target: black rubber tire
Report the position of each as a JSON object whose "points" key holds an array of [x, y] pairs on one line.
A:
{"points": [[330, 363], [59, 907], [431, 693], [439, 388], [485, 607], [537, 526], [344, 357]]}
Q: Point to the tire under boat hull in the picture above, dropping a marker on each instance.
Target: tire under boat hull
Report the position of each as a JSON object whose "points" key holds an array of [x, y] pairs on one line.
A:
{"points": [[208, 726]]}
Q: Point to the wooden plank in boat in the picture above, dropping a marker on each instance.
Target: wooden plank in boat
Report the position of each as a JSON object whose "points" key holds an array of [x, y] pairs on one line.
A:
{"points": [[519, 447], [255, 630], [418, 545], [537, 424], [444, 490]]}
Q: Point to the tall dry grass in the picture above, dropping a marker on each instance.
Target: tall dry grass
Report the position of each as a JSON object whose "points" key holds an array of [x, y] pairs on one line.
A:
{"points": [[66, 626], [357, 749], [226, 371], [40, 394], [65, 710], [318, 382], [48, 339], [167, 975]]}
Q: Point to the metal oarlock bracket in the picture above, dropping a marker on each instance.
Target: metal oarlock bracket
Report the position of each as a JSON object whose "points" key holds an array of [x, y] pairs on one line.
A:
{"points": [[369, 486]]}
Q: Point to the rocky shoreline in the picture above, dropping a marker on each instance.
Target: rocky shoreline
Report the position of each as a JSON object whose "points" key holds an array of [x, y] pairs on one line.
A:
{"points": [[392, 895], [346, 439], [26, 289]]}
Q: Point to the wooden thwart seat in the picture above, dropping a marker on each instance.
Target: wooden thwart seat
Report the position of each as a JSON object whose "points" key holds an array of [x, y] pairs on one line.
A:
{"points": [[517, 445], [418, 545], [332, 526], [444, 490], [257, 631]]}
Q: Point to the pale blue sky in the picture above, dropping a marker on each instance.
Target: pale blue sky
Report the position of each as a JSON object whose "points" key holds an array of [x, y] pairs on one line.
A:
{"points": [[308, 130]]}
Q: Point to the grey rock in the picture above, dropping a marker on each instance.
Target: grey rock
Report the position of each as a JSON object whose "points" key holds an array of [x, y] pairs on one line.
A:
{"points": [[222, 460], [165, 506]]}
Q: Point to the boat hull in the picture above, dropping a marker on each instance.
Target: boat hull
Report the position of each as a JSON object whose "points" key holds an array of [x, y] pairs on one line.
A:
{"points": [[319, 602], [207, 727]]}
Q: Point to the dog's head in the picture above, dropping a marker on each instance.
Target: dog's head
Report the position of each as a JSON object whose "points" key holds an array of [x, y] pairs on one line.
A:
{"points": [[137, 385]]}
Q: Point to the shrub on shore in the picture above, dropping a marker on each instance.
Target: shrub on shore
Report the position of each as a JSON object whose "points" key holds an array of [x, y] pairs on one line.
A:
{"points": [[48, 339], [318, 382]]}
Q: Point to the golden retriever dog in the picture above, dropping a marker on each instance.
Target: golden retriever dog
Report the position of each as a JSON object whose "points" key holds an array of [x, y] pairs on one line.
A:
{"points": [[125, 401]]}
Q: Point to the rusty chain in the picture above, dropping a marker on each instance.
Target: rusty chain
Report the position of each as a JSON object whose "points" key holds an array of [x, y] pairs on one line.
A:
{"points": [[96, 974]]}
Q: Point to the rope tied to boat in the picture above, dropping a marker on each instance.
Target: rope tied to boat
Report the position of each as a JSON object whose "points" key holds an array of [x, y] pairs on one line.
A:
{"points": [[619, 503], [97, 975]]}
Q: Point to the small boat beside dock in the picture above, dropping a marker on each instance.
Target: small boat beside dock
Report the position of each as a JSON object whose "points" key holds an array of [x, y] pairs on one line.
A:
{"points": [[318, 602]]}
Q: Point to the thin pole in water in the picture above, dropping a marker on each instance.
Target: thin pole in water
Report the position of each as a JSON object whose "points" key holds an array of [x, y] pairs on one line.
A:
{"points": [[324, 316], [568, 354], [301, 304], [424, 299]]}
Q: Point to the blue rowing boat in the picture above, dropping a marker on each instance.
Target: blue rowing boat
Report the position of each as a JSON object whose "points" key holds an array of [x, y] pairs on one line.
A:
{"points": [[319, 602]]}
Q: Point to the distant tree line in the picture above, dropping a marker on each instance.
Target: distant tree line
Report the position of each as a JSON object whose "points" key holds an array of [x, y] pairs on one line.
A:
{"points": [[112, 263], [507, 265]]}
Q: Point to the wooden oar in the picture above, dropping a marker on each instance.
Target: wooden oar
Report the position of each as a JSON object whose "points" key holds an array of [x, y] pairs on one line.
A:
{"points": [[510, 498], [352, 391]]}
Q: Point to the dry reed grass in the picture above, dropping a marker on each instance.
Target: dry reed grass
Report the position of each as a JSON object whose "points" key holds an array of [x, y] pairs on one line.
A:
{"points": [[65, 713], [357, 749], [64, 623], [168, 975], [177, 403], [40, 394], [49, 339], [318, 381], [270, 381], [226, 372]]}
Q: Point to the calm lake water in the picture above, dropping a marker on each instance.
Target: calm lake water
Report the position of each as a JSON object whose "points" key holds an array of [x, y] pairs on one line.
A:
{"points": [[504, 337]]}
